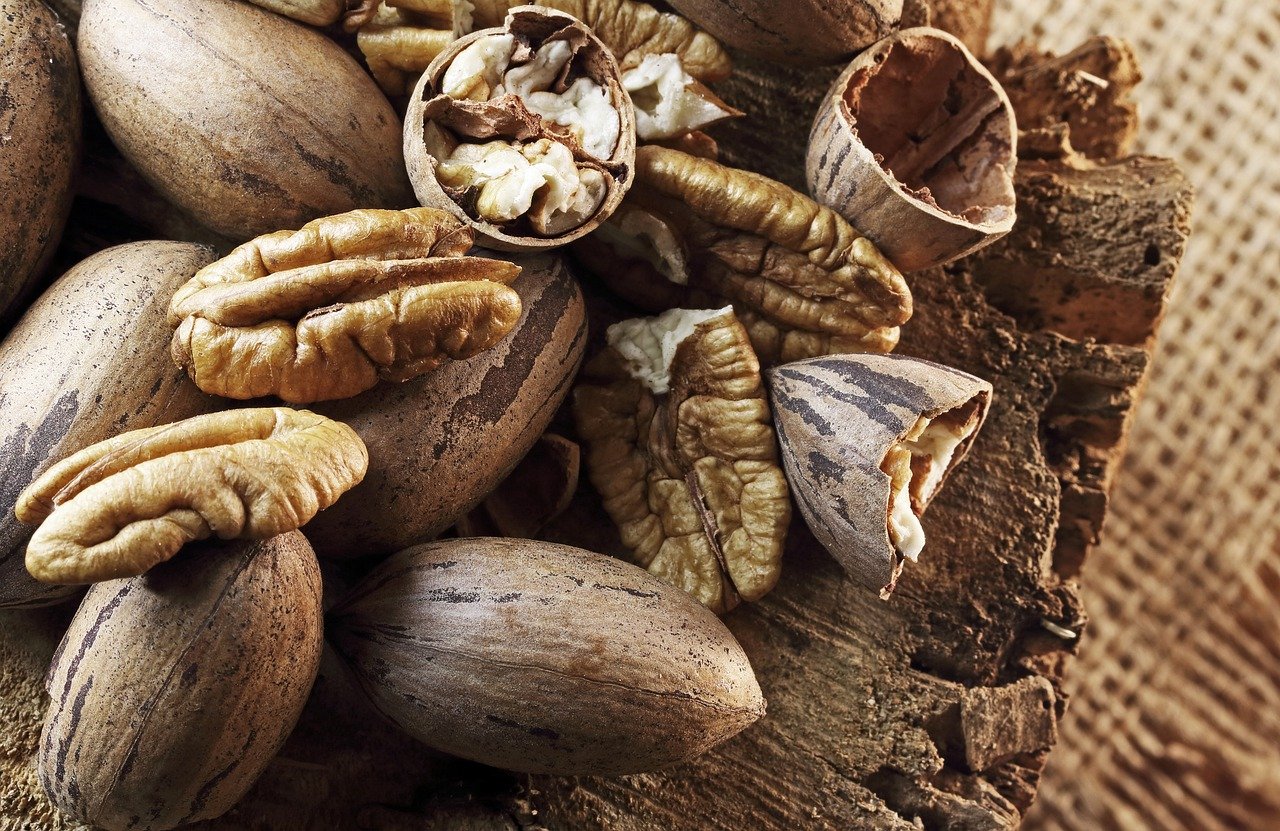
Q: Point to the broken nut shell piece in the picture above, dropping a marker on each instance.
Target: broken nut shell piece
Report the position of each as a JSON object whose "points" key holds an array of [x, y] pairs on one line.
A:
{"points": [[523, 132], [681, 447], [915, 144], [326, 311], [868, 441], [119, 507]]}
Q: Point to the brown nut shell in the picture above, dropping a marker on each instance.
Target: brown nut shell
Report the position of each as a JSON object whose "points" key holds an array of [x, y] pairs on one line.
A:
{"points": [[915, 144], [838, 418], [440, 443], [89, 359], [313, 12], [798, 32], [537, 25], [171, 692], [40, 126], [206, 99], [544, 658]]}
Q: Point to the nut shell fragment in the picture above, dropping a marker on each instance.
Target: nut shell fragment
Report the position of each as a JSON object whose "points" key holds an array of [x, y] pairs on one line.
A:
{"points": [[326, 311], [119, 507], [681, 447], [801, 279], [544, 658], [916, 144], [842, 420]]}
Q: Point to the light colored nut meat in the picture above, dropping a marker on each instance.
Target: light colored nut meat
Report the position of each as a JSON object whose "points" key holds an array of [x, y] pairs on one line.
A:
{"points": [[669, 102], [119, 507], [325, 311], [868, 440], [398, 46], [802, 280], [681, 446]]}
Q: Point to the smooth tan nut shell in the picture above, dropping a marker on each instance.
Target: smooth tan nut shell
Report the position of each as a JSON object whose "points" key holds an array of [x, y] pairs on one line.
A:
{"points": [[917, 81], [440, 443], [40, 126], [837, 417], [544, 658], [422, 165], [119, 507], [328, 310], [206, 98], [800, 32], [88, 359], [172, 692]]}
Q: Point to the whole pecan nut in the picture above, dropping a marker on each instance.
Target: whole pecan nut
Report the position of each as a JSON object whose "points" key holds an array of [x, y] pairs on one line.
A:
{"points": [[325, 311], [681, 446], [119, 507]]}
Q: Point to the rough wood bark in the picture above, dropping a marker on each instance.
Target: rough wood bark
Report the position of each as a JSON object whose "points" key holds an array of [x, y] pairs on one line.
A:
{"points": [[935, 707]]}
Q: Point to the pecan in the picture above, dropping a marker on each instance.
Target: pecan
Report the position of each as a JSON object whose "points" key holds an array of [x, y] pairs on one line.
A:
{"points": [[681, 446], [400, 39], [802, 280], [324, 312], [119, 507]]}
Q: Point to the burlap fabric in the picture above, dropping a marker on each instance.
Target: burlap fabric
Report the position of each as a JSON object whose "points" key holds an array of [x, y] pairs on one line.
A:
{"points": [[1175, 716]]}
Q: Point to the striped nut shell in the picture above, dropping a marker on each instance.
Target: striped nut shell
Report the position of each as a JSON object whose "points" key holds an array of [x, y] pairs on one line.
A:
{"points": [[326, 311], [801, 279], [868, 441], [119, 507], [681, 447]]}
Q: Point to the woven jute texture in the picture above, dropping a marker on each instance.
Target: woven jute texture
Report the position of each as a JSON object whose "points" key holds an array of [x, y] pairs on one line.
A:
{"points": [[1175, 717]]}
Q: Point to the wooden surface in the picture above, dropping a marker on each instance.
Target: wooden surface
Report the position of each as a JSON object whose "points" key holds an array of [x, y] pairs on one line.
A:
{"points": [[939, 705]]}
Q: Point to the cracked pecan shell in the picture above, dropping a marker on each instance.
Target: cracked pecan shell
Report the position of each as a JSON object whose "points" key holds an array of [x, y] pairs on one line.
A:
{"points": [[326, 311], [801, 279], [680, 445], [119, 507]]}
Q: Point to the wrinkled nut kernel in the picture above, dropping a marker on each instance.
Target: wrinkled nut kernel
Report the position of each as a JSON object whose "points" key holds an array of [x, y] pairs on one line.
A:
{"points": [[524, 131], [868, 441], [669, 102], [802, 280], [326, 311], [681, 447], [119, 507], [399, 43]]}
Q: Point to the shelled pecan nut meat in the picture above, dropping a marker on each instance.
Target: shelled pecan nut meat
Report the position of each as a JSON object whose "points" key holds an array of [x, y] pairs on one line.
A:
{"points": [[681, 446], [801, 279], [326, 311], [119, 507]]}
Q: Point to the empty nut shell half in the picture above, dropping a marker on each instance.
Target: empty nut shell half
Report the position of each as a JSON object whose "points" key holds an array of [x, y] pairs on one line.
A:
{"points": [[868, 440], [915, 144], [326, 311], [119, 507], [523, 132], [681, 447], [798, 32], [698, 234]]}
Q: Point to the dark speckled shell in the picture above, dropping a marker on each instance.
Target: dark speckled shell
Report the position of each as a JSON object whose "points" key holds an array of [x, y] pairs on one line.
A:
{"points": [[836, 418], [544, 658], [39, 143], [441, 443], [89, 360], [250, 122], [172, 691]]}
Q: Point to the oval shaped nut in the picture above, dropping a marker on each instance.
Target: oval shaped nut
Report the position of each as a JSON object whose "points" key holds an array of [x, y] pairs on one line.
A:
{"points": [[206, 99], [697, 234], [524, 132], [868, 441], [680, 445], [171, 692], [326, 311], [88, 359], [119, 507], [798, 32], [544, 658], [916, 145], [40, 123], [440, 443]]}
